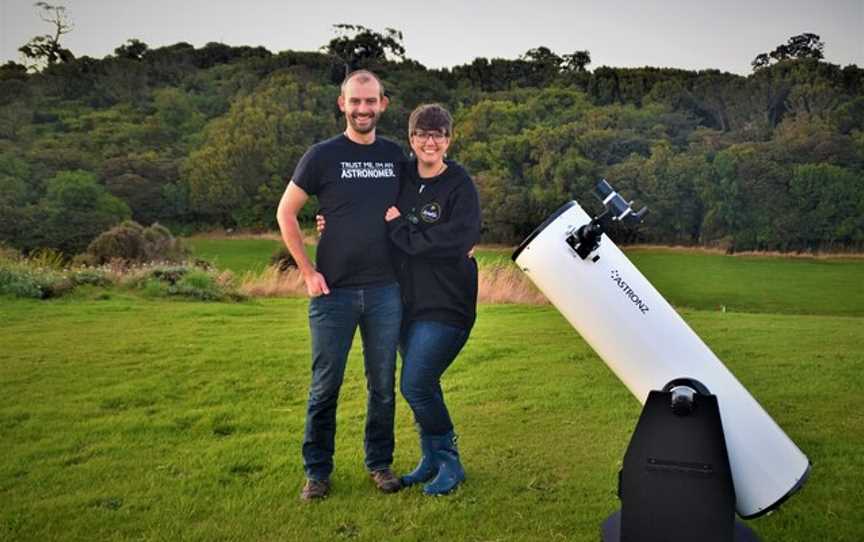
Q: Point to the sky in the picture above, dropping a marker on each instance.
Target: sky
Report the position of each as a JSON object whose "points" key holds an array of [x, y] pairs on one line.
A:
{"points": [[693, 35]]}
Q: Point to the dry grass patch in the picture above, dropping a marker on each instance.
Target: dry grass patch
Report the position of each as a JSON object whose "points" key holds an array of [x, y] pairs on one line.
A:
{"points": [[498, 284], [273, 283], [507, 284]]}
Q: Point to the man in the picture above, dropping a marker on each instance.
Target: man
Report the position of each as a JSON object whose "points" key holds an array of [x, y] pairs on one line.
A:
{"points": [[355, 176]]}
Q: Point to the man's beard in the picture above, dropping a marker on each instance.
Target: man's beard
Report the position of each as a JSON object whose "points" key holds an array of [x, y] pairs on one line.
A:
{"points": [[373, 121]]}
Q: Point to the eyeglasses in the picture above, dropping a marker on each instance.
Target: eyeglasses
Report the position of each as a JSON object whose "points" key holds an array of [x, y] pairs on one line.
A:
{"points": [[437, 137]]}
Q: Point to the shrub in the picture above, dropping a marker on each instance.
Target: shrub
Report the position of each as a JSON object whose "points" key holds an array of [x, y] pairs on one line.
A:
{"points": [[85, 260], [198, 285], [124, 242], [19, 279], [163, 246], [131, 242], [90, 276], [9, 254], [16, 283], [282, 260], [47, 258], [137, 277], [29, 278], [185, 280], [153, 288]]}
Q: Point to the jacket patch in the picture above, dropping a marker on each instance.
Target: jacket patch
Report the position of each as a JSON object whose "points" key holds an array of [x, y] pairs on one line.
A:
{"points": [[430, 212]]}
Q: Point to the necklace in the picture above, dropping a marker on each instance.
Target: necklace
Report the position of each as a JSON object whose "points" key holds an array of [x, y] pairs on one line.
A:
{"points": [[439, 172], [422, 179]]}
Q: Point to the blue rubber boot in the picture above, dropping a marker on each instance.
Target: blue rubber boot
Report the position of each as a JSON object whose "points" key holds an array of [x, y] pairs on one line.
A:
{"points": [[425, 469], [445, 456]]}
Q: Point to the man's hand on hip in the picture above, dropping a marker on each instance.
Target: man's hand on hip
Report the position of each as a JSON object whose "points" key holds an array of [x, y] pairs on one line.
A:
{"points": [[316, 285]]}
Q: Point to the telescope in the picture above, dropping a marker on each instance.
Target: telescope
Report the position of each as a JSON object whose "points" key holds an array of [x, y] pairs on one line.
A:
{"points": [[703, 447]]}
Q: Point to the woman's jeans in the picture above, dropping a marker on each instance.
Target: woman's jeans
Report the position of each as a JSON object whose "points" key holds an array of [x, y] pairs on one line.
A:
{"points": [[428, 348], [333, 320]]}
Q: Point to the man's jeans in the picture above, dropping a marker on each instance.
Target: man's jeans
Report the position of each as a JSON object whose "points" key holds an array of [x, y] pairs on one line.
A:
{"points": [[333, 320], [428, 348]]}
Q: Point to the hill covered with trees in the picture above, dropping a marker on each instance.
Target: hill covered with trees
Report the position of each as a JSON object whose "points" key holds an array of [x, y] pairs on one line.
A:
{"points": [[196, 138]]}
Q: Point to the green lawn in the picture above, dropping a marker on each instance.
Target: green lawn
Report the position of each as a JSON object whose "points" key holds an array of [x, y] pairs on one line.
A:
{"points": [[755, 283], [696, 280], [237, 255], [131, 419]]}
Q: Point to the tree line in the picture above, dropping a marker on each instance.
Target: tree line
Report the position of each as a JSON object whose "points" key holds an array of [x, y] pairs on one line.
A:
{"points": [[197, 138]]}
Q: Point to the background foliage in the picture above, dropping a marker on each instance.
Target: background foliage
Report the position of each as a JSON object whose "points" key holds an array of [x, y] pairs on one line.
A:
{"points": [[197, 138]]}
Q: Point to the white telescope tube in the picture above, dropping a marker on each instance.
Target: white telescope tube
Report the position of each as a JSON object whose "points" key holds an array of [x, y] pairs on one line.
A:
{"points": [[647, 345]]}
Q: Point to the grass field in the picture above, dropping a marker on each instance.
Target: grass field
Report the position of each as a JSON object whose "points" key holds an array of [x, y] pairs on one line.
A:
{"points": [[126, 419], [755, 283], [699, 280], [238, 256]]}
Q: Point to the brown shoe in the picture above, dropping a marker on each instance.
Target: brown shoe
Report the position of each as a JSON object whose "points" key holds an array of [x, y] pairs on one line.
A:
{"points": [[315, 489], [386, 481]]}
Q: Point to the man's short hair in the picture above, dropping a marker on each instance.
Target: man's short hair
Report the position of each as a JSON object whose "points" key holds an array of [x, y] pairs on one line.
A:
{"points": [[362, 76], [430, 117]]}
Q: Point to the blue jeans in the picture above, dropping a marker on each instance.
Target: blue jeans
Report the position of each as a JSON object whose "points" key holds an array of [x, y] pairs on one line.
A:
{"points": [[428, 348], [333, 319]]}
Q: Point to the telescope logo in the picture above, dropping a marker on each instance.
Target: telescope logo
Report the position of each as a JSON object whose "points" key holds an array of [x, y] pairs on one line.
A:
{"points": [[628, 291], [430, 212]]}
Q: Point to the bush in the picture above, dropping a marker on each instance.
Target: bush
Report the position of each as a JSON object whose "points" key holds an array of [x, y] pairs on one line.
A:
{"points": [[9, 254], [16, 283], [124, 242], [47, 258], [90, 276], [20, 279], [185, 281], [85, 260], [198, 285], [132, 243], [36, 279], [282, 260]]}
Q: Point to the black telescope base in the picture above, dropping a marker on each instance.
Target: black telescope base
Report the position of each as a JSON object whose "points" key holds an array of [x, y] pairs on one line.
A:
{"points": [[675, 484], [611, 530]]}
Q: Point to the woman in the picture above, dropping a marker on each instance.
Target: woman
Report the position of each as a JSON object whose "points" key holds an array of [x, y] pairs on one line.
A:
{"points": [[433, 227]]}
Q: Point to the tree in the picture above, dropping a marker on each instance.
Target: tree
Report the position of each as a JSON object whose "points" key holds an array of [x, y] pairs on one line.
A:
{"points": [[746, 199], [577, 61], [14, 177], [850, 116], [360, 47], [176, 114], [142, 196], [804, 138], [13, 70], [544, 65], [671, 184], [141, 181], [75, 210], [13, 118], [133, 49], [802, 46], [605, 86], [829, 206], [46, 49], [238, 173]]}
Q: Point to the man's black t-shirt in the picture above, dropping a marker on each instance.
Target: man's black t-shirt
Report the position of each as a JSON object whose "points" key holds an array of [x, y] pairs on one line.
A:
{"points": [[355, 185]]}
